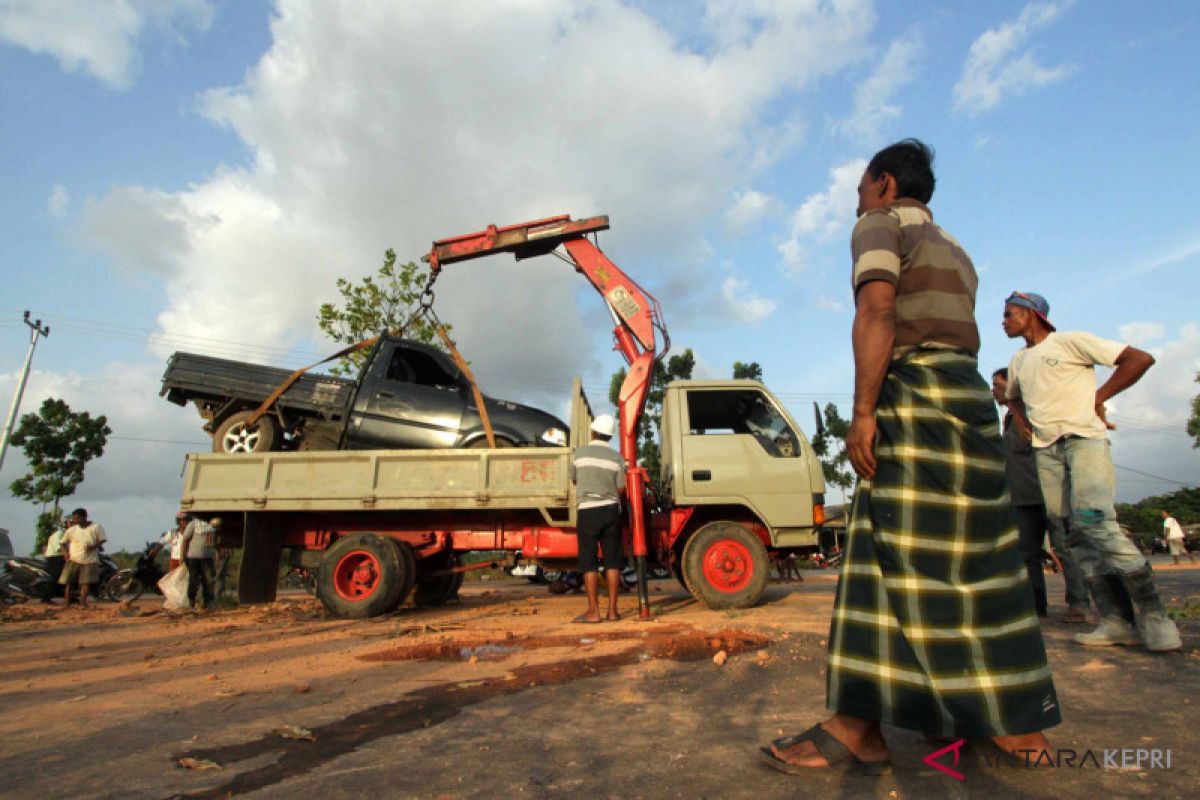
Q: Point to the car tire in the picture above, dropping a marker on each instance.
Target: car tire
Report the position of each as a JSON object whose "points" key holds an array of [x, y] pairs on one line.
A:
{"points": [[725, 566], [233, 436], [439, 589], [482, 444], [364, 575]]}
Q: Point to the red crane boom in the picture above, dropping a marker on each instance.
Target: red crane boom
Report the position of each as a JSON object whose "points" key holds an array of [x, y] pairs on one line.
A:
{"points": [[635, 311]]}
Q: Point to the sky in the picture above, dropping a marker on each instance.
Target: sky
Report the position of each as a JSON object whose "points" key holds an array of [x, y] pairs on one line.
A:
{"points": [[196, 174]]}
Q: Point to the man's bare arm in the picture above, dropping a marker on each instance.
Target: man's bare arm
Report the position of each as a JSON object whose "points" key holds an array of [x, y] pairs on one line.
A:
{"points": [[874, 336], [1130, 366], [1017, 406]]}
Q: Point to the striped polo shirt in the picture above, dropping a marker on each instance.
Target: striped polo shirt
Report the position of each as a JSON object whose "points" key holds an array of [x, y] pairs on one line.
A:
{"points": [[598, 472], [934, 278]]}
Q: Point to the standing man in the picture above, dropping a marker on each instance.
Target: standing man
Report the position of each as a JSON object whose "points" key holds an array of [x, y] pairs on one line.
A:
{"points": [[172, 539], [598, 473], [55, 560], [1052, 386], [1176, 544], [197, 545], [933, 627], [1027, 503], [82, 540]]}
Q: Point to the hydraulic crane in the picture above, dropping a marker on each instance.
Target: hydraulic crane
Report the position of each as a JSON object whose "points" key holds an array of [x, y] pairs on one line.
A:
{"points": [[636, 315]]}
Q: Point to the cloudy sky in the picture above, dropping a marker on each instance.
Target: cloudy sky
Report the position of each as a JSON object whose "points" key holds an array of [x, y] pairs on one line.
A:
{"points": [[196, 174]]}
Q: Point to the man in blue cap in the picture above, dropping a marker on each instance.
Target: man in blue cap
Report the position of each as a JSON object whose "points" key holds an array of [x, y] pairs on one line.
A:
{"points": [[1053, 394]]}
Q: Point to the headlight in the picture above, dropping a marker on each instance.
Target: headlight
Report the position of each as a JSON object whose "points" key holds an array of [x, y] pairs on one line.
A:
{"points": [[556, 437]]}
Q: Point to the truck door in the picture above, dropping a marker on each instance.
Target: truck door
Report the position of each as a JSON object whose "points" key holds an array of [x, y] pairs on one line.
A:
{"points": [[410, 399], [737, 446]]}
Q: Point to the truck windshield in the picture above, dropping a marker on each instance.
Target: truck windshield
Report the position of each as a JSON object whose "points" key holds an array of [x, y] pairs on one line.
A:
{"points": [[746, 411]]}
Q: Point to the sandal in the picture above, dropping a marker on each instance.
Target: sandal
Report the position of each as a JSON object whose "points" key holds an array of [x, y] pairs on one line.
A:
{"points": [[837, 754], [582, 618]]}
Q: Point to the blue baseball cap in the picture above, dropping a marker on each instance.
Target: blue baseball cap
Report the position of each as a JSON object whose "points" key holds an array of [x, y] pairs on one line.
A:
{"points": [[1034, 302]]}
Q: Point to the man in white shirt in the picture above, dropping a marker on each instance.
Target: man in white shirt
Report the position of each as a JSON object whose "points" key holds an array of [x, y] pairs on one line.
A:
{"points": [[55, 560], [1053, 394], [1174, 536], [173, 540], [82, 540]]}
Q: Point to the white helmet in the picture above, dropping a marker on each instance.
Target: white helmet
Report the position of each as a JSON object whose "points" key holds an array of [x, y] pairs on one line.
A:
{"points": [[604, 425]]}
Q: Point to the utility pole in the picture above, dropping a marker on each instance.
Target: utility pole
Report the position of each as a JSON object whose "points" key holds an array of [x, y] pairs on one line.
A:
{"points": [[36, 330]]}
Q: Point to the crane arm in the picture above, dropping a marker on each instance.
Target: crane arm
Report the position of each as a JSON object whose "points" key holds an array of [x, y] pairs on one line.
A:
{"points": [[635, 312]]}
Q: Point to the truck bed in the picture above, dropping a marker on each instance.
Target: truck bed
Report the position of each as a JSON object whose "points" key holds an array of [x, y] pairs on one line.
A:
{"points": [[189, 376], [381, 480]]}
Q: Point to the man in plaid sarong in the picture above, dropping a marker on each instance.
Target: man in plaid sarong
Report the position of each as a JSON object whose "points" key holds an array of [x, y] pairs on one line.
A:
{"points": [[933, 627]]}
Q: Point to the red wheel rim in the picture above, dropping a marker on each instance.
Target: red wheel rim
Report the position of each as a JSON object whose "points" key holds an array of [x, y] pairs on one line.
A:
{"points": [[728, 566], [356, 576]]}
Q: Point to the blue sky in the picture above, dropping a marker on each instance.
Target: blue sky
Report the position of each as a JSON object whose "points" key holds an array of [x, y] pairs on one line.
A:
{"points": [[195, 175]]}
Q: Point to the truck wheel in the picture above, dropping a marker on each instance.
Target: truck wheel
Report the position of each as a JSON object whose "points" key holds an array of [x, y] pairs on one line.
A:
{"points": [[725, 566], [409, 561], [363, 575], [440, 589], [233, 436]]}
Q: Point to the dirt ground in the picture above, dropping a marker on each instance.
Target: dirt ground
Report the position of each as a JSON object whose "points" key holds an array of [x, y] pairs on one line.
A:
{"points": [[500, 696]]}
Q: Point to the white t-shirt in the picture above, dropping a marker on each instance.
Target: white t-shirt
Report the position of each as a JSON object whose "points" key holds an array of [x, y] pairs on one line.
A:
{"points": [[174, 539], [1172, 527], [79, 539], [54, 543], [1057, 380]]}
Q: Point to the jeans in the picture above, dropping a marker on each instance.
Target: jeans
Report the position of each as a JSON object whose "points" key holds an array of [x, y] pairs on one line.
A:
{"points": [[1032, 524], [200, 577], [1078, 486]]}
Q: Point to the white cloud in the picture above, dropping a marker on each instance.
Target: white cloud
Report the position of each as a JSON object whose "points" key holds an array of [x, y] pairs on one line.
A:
{"points": [[1139, 334], [873, 107], [1151, 418], [743, 304], [364, 137], [824, 215], [97, 36], [750, 207], [826, 303], [997, 65], [58, 201]]}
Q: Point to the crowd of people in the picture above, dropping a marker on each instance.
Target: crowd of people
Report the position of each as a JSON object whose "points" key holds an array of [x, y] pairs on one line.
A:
{"points": [[72, 556]]}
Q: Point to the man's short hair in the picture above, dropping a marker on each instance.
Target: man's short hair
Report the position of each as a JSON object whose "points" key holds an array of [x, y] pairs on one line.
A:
{"points": [[79, 512], [910, 162], [1002, 372]]}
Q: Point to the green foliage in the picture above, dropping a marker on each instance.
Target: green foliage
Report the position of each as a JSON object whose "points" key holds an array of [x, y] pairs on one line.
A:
{"points": [[678, 368], [1145, 516], [1193, 424], [748, 372], [47, 522], [380, 303], [58, 444], [830, 446]]}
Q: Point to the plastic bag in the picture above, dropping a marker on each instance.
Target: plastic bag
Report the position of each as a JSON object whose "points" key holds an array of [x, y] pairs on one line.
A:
{"points": [[174, 586]]}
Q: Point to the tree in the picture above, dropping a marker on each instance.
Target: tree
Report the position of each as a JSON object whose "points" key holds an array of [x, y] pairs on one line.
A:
{"points": [[1193, 425], [678, 368], [382, 302], [750, 372], [829, 443], [58, 444]]}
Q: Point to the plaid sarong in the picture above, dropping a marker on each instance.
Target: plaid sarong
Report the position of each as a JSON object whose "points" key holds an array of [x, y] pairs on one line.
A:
{"points": [[933, 627]]}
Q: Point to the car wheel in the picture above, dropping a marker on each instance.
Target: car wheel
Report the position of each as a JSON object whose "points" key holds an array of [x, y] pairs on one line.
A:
{"points": [[364, 575], [482, 444], [725, 566], [234, 436]]}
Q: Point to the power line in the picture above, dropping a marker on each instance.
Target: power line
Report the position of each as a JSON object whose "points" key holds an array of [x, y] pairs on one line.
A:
{"points": [[1150, 475]]}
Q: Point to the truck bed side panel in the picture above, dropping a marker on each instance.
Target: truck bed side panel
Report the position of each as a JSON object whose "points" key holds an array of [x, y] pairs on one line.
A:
{"points": [[189, 376]]}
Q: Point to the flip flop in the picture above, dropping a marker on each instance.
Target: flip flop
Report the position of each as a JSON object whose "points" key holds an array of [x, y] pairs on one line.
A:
{"points": [[583, 620], [837, 754]]}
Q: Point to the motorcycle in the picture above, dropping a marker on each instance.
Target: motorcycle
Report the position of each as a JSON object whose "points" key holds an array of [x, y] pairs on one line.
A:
{"points": [[30, 577], [129, 584]]}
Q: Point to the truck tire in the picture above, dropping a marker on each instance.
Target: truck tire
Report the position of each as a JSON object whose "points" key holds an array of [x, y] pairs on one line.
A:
{"points": [[439, 589], [363, 575], [232, 435], [725, 566]]}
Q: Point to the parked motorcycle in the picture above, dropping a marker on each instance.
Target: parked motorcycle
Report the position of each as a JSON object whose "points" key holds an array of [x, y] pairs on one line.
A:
{"points": [[30, 578], [129, 584]]}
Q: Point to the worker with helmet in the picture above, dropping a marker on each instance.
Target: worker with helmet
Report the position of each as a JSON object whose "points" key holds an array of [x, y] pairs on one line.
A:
{"points": [[598, 473]]}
